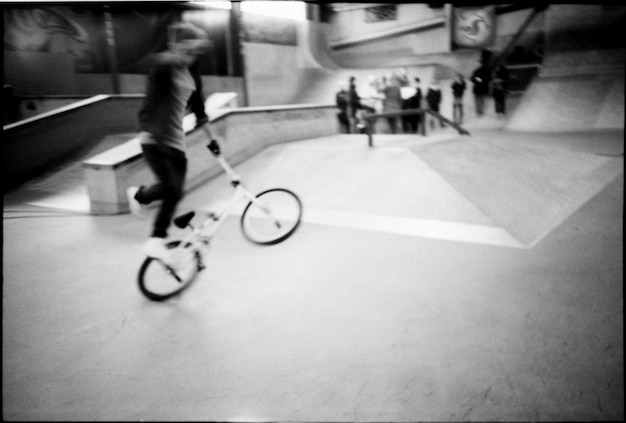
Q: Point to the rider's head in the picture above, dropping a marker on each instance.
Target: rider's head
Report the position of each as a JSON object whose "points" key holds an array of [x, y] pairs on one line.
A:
{"points": [[187, 38]]}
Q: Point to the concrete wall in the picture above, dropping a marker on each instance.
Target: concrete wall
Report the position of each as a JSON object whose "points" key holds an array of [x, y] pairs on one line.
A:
{"points": [[585, 26], [419, 48], [33, 145], [571, 103], [581, 83], [242, 133], [272, 73], [351, 23]]}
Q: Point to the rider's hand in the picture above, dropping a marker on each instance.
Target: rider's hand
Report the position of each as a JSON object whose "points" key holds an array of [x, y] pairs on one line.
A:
{"points": [[214, 147]]}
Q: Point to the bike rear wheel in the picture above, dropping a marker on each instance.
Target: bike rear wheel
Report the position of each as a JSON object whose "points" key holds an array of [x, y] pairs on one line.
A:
{"points": [[159, 282], [272, 217]]}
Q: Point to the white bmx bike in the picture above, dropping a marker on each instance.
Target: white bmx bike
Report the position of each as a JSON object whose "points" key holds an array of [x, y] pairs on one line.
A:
{"points": [[269, 217]]}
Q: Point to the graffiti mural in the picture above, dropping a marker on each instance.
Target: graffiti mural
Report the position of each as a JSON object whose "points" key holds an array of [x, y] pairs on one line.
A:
{"points": [[80, 32], [76, 31]]}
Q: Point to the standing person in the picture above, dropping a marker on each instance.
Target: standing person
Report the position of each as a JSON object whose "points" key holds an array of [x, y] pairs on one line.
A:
{"points": [[403, 77], [170, 86], [392, 101], [458, 89], [412, 122], [433, 99], [372, 99], [421, 118], [481, 79], [369, 94], [498, 89], [341, 100], [406, 92], [382, 83], [354, 105]]}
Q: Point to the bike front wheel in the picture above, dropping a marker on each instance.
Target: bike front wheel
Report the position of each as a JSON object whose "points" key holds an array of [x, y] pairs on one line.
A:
{"points": [[272, 216], [159, 281]]}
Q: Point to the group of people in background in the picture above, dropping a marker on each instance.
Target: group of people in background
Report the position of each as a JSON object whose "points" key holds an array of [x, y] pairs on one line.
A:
{"points": [[483, 82], [396, 92], [389, 93]]}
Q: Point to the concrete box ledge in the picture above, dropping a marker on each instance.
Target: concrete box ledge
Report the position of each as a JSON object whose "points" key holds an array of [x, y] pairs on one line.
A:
{"points": [[241, 132]]}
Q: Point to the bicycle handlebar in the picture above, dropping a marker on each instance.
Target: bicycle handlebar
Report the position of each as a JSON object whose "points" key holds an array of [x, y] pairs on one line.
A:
{"points": [[214, 147]]}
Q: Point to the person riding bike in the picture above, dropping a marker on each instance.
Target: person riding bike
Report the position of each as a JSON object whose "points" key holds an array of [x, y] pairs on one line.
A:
{"points": [[170, 87]]}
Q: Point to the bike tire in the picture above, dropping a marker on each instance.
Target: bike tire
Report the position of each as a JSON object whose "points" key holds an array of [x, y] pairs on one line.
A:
{"points": [[260, 228], [159, 282]]}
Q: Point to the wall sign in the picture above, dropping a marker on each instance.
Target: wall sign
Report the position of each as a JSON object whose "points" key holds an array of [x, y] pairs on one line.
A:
{"points": [[473, 27]]}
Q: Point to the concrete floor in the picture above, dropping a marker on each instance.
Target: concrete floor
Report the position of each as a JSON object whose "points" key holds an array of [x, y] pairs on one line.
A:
{"points": [[433, 279]]}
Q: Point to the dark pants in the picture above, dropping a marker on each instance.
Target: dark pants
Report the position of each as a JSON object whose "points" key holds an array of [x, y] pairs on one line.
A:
{"points": [[479, 100], [392, 121], [435, 108], [457, 110], [344, 123], [499, 100], [169, 167], [411, 123]]}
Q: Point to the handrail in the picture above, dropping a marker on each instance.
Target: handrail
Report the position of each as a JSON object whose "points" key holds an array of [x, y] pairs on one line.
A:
{"points": [[370, 119], [58, 111]]}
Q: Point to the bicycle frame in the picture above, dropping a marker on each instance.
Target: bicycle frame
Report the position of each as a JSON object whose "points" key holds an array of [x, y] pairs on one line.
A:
{"points": [[188, 252], [209, 226]]}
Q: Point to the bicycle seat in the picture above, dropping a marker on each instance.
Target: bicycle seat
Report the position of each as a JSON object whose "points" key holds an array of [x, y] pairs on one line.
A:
{"points": [[183, 220]]}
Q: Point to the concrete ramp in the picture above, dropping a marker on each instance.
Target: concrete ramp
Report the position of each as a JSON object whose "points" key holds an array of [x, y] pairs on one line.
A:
{"points": [[527, 188], [571, 103], [612, 113], [314, 47], [320, 74], [495, 188]]}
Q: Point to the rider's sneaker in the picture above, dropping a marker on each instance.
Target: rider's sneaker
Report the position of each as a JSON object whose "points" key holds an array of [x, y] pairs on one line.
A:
{"points": [[136, 208], [157, 248]]}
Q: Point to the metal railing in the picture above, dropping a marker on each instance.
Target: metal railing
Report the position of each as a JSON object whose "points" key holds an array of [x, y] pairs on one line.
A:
{"points": [[371, 118]]}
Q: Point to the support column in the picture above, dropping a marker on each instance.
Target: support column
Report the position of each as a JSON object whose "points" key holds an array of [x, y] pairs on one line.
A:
{"points": [[112, 51], [237, 49]]}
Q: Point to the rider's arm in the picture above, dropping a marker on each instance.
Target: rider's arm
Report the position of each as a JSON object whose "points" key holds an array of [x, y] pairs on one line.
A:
{"points": [[196, 100], [207, 131]]}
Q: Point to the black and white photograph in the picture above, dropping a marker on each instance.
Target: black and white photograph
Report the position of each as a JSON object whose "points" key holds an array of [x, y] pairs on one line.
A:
{"points": [[305, 211]]}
